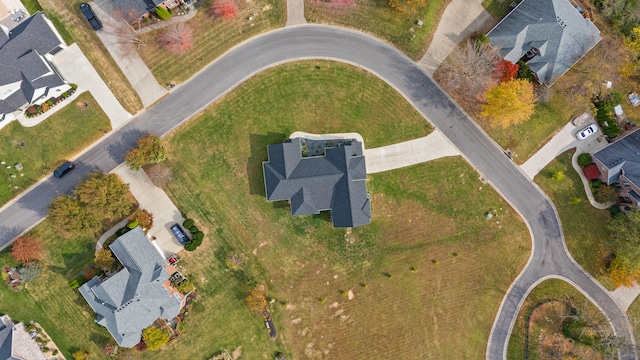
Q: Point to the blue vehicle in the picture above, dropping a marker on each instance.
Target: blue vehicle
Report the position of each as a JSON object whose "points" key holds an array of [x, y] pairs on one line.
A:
{"points": [[90, 16], [63, 169], [179, 233]]}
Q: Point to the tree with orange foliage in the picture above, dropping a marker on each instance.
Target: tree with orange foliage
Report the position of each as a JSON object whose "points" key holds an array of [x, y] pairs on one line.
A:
{"points": [[506, 70], [257, 301], [26, 248], [224, 9], [177, 39]]}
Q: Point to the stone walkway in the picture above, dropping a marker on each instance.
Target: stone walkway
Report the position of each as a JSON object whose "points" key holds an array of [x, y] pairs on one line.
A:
{"points": [[459, 20], [295, 12]]}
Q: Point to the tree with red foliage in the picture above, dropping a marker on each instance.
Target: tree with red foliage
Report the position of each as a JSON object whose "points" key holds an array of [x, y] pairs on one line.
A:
{"points": [[224, 9], [177, 39], [26, 248], [506, 70]]}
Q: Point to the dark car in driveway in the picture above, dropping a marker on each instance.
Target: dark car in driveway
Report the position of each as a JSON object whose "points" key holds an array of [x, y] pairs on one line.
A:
{"points": [[63, 169], [90, 16], [179, 234]]}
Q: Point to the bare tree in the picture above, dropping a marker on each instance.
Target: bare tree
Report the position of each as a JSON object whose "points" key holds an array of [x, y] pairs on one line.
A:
{"points": [[177, 38], [470, 70], [129, 39]]}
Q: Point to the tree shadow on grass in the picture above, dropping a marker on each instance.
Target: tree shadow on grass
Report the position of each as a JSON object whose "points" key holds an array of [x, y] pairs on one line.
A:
{"points": [[258, 144]]}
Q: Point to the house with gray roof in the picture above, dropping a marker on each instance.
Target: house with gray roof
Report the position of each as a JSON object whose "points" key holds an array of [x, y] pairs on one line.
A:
{"points": [[15, 342], [136, 9], [549, 35], [132, 299], [619, 163], [26, 74], [334, 180]]}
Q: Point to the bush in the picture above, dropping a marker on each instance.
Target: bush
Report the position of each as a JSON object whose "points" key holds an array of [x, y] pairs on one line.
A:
{"points": [[132, 225], [162, 13], [187, 223], [558, 176], [525, 72], [54, 353], [77, 282], [185, 286], [480, 39], [584, 159], [122, 231], [190, 246], [155, 338]]}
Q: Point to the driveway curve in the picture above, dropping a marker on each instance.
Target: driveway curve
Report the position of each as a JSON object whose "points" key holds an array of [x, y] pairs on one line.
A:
{"points": [[549, 256]]}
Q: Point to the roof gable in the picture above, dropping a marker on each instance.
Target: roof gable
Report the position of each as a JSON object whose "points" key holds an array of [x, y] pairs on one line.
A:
{"points": [[622, 156], [333, 181], [555, 27]]}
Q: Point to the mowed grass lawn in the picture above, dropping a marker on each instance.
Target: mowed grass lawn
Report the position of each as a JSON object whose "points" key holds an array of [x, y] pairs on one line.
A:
{"points": [[549, 289], [585, 227], [378, 18], [211, 38], [47, 144], [428, 273]]}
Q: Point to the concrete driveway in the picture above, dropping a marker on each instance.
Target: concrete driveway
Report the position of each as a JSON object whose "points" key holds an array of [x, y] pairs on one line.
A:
{"points": [[154, 200], [564, 140], [430, 147], [75, 68], [459, 20], [134, 69]]}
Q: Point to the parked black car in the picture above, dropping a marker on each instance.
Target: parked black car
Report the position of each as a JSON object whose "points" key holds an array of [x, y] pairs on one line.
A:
{"points": [[90, 16], [179, 233], [63, 169]]}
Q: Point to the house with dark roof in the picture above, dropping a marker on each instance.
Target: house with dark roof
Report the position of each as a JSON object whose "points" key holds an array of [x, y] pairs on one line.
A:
{"points": [[137, 9], [26, 74], [619, 163], [15, 342], [132, 299], [549, 35], [334, 180]]}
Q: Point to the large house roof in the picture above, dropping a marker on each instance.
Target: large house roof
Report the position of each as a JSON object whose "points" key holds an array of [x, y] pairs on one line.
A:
{"points": [[555, 27], [335, 181], [622, 156], [25, 74], [135, 297]]}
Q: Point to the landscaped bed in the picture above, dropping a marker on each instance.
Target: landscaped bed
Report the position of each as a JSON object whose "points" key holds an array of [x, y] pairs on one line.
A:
{"points": [[41, 148]]}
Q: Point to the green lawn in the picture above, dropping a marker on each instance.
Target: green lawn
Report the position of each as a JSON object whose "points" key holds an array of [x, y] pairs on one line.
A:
{"points": [[48, 144], [377, 18], [550, 289], [428, 253], [585, 227], [527, 138], [303, 259], [211, 38]]}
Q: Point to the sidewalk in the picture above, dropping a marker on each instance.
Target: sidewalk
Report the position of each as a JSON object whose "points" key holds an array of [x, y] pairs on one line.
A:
{"points": [[134, 69], [459, 20], [75, 68]]}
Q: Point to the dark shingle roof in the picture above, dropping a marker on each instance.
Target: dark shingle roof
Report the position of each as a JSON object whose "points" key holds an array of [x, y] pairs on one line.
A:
{"points": [[335, 181], [136, 8], [6, 338], [134, 298], [555, 27], [622, 155], [22, 61]]}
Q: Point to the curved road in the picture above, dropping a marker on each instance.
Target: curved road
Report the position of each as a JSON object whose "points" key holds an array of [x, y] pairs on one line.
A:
{"points": [[549, 256]]}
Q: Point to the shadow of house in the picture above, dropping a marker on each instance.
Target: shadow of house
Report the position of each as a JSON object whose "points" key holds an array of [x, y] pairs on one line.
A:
{"points": [[333, 181], [549, 35], [257, 143], [136, 296]]}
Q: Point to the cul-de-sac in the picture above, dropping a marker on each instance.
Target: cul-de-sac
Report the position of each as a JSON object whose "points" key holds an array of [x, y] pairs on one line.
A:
{"points": [[319, 179]]}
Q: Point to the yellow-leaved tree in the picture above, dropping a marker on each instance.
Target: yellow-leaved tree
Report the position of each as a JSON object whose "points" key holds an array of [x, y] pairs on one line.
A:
{"points": [[510, 103]]}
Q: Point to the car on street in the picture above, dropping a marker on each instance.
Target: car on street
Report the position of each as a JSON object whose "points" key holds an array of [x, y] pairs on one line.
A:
{"points": [[90, 16], [63, 169], [586, 132]]}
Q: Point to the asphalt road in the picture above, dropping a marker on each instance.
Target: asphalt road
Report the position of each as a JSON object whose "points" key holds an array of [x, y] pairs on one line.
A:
{"points": [[549, 257]]}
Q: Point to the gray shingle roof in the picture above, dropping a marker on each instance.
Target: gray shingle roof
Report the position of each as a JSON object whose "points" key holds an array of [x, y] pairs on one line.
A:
{"points": [[134, 298], [22, 61], [622, 155], [136, 8], [6, 329], [335, 181], [555, 27]]}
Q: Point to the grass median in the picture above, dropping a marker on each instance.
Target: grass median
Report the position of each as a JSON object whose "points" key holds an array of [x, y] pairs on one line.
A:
{"points": [[48, 144]]}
